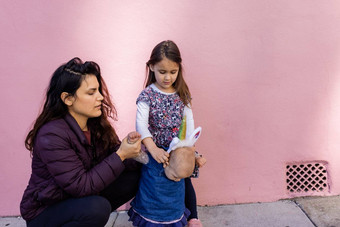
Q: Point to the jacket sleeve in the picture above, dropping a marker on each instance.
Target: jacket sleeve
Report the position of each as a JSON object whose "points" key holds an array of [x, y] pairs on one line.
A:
{"points": [[58, 153]]}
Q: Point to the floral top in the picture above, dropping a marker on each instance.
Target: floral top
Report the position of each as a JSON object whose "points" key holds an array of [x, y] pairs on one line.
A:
{"points": [[165, 116]]}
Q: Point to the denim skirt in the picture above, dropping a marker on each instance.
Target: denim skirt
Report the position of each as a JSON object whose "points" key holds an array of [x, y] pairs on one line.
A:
{"points": [[158, 198]]}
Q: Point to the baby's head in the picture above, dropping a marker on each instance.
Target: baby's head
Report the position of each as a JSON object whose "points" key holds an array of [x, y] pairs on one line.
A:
{"points": [[181, 163]]}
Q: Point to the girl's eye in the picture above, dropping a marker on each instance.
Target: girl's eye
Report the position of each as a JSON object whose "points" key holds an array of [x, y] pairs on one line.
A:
{"points": [[173, 72], [162, 72]]}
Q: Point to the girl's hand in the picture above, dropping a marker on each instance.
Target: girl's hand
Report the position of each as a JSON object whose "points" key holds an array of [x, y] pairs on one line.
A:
{"points": [[200, 161], [160, 155], [128, 150]]}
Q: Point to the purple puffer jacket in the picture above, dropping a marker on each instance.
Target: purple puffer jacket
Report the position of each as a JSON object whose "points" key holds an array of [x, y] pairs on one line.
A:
{"points": [[63, 166]]}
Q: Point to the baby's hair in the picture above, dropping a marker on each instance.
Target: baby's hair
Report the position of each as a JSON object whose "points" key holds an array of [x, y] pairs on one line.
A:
{"points": [[182, 161], [168, 49]]}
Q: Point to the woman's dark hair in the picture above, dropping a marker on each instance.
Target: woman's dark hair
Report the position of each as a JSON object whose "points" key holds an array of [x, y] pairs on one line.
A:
{"points": [[168, 49], [68, 78]]}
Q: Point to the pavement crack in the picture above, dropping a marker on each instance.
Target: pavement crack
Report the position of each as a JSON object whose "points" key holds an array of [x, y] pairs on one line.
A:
{"points": [[301, 208]]}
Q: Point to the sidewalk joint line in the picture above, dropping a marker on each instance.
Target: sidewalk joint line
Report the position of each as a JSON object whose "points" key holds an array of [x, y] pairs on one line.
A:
{"points": [[114, 221], [297, 204]]}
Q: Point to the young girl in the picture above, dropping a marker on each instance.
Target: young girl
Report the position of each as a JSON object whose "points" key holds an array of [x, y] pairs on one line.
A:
{"points": [[160, 109]]}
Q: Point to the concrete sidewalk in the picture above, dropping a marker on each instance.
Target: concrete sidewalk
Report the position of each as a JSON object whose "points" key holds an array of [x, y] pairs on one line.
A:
{"points": [[297, 212]]}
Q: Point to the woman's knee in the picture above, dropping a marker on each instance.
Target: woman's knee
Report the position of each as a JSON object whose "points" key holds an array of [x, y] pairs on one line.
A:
{"points": [[86, 211], [96, 212], [98, 205]]}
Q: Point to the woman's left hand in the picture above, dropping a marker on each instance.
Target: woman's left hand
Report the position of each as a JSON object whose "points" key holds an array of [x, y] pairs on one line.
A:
{"points": [[128, 150]]}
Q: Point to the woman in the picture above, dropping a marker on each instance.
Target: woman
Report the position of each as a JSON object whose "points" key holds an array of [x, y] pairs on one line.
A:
{"points": [[80, 169]]}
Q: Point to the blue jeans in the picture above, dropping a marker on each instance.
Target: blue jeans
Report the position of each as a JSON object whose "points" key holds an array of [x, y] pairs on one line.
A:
{"points": [[91, 211], [87, 211]]}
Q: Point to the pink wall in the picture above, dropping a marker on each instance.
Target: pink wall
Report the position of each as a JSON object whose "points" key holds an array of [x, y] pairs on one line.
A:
{"points": [[264, 76]]}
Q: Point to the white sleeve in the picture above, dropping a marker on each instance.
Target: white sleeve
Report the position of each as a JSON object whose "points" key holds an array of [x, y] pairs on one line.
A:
{"points": [[142, 119], [190, 121]]}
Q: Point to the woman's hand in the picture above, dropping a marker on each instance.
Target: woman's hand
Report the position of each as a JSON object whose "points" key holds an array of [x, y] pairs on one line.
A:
{"points": [[129, 150]]}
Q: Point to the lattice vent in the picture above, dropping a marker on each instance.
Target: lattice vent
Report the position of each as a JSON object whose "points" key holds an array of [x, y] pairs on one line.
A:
{"points": [[307, 178]]}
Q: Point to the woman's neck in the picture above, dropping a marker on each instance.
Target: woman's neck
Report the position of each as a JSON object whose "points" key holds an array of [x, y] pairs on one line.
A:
{"points": [[82, 121], [84, 128]]}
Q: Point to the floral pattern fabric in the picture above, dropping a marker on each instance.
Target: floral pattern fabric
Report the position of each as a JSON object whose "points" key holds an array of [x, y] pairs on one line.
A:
{"points": [[165, 117]]}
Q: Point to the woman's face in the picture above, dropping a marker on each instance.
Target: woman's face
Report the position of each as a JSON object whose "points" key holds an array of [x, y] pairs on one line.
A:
{"points": [[87, 101], [166, 72]]}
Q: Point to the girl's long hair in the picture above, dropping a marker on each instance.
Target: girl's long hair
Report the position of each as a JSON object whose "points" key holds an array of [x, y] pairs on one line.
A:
{"points": [[168, 49], [68, 78]]}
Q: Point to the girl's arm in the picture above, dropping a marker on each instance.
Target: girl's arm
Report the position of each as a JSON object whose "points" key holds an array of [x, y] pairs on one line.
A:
{"points": [[142, 119], [142, 124], [160, 155]]}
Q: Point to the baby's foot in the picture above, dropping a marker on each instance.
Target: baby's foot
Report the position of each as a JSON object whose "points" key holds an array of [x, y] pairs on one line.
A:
{"points": [[132, 137], [200, 161]]}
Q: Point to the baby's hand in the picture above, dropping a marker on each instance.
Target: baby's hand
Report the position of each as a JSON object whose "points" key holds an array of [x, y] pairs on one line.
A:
{"points": [[200, 161], [133, 137], [160, 155]]}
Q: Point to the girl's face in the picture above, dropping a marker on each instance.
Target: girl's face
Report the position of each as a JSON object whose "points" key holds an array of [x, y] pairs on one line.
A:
{"points": [[166, 72], [87, 101]]}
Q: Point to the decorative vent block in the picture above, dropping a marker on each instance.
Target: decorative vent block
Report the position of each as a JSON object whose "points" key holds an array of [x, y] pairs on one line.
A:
{"points": [[307, 178]]}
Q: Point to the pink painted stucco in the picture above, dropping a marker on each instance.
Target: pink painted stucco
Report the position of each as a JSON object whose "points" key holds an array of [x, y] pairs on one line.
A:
{"points": [[264, 75]]}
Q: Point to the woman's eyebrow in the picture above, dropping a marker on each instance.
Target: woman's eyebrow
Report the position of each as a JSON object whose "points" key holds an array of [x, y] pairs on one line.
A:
{"points": [[92, 89]]}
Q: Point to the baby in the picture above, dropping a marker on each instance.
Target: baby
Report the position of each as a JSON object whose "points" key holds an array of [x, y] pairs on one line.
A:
{"points": [[181, 163]]}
